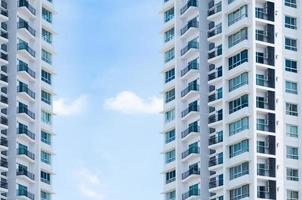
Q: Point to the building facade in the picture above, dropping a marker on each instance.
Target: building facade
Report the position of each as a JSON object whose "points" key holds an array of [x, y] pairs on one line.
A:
{"points": [[26, 99], [232, 99]]}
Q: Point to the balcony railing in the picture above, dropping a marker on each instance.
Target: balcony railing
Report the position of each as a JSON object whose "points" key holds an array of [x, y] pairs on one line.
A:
{"points": [[25, 193], [4, 142], [4, 163], [215, 183], [25, 46], [191, 66], [25, 3], [4, 121], [191, 129], [190, 193], [24, 88], [24, 172], [216, 160], [24, 24], [217, 30], [192, 171], [215, 139], [25, 110], [216, 8], [4, 184], [4, 99], [191, 45], [191, 24], [192, 150], [191, 87], [191, 108], [25, 131], [22, 67], [23, 151], [190, 3]]}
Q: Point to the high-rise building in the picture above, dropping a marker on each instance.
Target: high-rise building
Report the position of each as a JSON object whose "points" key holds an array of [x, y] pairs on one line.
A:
{"points": [[26, 99], [232, 112]]}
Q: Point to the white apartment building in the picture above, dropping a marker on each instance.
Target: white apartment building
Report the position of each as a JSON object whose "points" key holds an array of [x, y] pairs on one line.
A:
{"points": [[232, 114], [26, 99]]}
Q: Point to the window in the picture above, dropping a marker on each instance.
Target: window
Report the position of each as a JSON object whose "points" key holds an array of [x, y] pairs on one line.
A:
{"points": [[47, 15], [292, 195], [291, 87], [292, 153], [239, 193], [238, 37], [238, 126], [239, 170], [292, 174], [170, 95], [169, 35], [45, 177], [170, 176], [291, 3], [290, 22], [169, 14], [291, 109], [290, 44], [46, 97], [239, 148], [46, 77], [169, 75], [169, 55], [238, 81], [291, 66], [171, 195], [292, 130], [45, 195], [238, 59], [46, 117], [170, 115], [46, 56], [238, 104], [170, 136], [237, 15], [47, 36], [46, 137], [45, 157], [170, 156]]}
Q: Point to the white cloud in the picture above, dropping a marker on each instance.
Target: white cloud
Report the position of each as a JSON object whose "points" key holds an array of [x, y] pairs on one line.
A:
{"points": [[65, 107], [89, 184], [129, 103]]}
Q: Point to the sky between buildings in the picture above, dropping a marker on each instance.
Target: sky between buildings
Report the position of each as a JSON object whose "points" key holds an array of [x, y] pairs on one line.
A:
{"points": [[108, 81]]}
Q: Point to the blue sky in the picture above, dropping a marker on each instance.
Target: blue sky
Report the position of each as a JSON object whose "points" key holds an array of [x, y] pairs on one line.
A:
{"points": [[108, 81]]}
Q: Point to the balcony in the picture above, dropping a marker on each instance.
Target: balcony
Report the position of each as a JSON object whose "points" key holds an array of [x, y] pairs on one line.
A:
{"points": [[4, 163], [192, 45], [216, 139], [26, 194], [215, 75], [25, 110], [268, 124], [267, 102], [189, 4], [191, 24], [4, 99], [24, 88], [267, 80], [267, 12], [4, 142], [4, 185], [26, 4], [24, 172], [191, 66], [25, 152], [24, 25], [214, 8], [193, 107], [4, 121], [4, 13], [24, 46], [25, 131], [267, 169], [214, 182], [267, 191], [213, 32], [23, 67], [267, 147], [267, 35], [215, 53], [191, 172], [192, 129], [192, 87], [3, 58], [191, 193], [216, 160], [215, 117], [190, 151]]}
